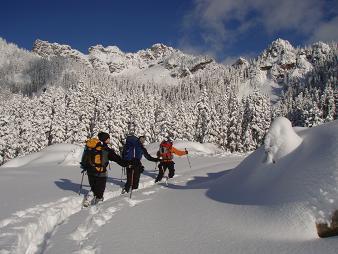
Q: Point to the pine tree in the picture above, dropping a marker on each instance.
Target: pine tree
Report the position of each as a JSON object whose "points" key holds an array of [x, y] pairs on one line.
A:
{"points": [[203, 116]]}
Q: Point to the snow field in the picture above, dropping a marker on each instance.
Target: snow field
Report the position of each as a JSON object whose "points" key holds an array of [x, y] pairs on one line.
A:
{"points": [[215, 207]]}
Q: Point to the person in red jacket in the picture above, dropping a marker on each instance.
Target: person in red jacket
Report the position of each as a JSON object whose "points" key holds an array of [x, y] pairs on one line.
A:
{"points": [[166, 153]]}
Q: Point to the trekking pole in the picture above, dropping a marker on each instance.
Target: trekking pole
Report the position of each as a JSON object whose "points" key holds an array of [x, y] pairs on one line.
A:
{"points": [[155, 169], [122, 171], [188, 157], [81, 181], [131, 182]]}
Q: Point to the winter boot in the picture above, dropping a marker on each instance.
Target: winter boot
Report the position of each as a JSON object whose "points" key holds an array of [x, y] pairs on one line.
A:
{"points": [[88, 199], [96, 200]]}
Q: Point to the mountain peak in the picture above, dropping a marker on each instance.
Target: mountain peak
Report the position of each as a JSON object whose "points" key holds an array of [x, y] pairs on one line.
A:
{"points": [[112, 60], [241, 61], [279, 53], [46, 49], [106, 50]]}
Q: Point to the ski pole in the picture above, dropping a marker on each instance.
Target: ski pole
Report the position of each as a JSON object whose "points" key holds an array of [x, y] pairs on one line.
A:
{"points": [[188, 158], [122, 171], [131, 182], [81, 181], [155, 167]]}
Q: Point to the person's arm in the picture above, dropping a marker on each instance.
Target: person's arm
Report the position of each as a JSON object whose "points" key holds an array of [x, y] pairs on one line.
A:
{"points": [[178, 152], [112, 156], [148, 156]]}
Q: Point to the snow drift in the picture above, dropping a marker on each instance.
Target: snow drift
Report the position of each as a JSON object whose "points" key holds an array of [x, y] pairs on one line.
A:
{"points": [[280, 140], [59, 154], [305, 171], [194, 148]]}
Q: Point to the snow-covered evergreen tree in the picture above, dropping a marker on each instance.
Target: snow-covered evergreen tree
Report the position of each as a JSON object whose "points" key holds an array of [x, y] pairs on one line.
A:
{"points": [[203, 116]]}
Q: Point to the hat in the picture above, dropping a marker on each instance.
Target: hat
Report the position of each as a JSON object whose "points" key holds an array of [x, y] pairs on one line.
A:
{"points": [[103, 136]]}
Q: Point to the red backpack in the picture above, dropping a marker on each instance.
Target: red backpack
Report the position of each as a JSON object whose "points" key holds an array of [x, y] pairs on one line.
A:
{"points": [[165, 150]]}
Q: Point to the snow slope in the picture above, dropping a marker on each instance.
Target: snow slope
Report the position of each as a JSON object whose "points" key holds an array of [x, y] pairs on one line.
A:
{"points": [[217, 206]]}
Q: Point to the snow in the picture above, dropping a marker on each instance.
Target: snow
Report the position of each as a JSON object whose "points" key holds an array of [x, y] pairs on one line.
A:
{"points": [[280, 140], [63, 154], [224, 204], [194, 148]]}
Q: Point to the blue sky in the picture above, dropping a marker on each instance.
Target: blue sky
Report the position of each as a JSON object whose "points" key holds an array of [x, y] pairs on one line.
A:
{"points": [[224, 29]]}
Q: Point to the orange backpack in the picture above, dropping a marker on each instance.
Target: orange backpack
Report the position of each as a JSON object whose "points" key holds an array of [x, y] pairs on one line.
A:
{"points": [[92, 156]]}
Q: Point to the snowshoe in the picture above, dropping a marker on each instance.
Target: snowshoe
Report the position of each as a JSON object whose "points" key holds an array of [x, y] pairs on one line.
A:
{"points": [[87, 200], [96, 201]]}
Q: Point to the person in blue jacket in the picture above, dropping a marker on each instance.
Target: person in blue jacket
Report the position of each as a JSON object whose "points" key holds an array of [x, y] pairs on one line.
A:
{"points": [[132, 152]]}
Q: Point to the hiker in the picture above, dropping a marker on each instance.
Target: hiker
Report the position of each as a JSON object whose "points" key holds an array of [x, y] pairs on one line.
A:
{"points": [[166, 154], [133, 151], [95, 160]]}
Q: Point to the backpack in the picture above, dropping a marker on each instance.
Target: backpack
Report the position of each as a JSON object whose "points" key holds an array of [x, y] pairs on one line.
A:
{"points": [[132, 149], [92, 158], [165, 150]]}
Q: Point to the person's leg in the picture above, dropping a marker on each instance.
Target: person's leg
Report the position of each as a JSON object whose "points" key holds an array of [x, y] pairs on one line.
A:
{"points": [[136, 175], [101, 186], [160, 173], [90, 195], [91, 181], [127, 184], [171, 169]]}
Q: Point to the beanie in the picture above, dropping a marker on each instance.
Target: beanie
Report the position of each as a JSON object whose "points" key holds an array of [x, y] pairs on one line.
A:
{"points": [[103, 136]]}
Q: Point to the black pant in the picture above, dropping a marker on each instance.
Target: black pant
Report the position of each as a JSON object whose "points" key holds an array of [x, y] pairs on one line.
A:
{"points": [[97, 185], [163, 167], [133, 177]]}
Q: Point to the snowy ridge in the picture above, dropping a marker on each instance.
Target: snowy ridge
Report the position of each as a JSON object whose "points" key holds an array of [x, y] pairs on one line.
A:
{"points": [[279, 65], [54, 154], [167, 62], [48, 50]]}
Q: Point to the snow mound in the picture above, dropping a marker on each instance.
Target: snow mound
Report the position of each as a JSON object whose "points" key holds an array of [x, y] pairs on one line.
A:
{"points": [[194, 148], [306, 173], [59, 154], [280, 140]]}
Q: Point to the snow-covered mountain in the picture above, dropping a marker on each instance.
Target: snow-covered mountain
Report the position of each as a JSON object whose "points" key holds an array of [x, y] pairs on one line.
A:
{"points": [[223, 204], [148, 64], [230, 106], [281, 59], [279, 65]]}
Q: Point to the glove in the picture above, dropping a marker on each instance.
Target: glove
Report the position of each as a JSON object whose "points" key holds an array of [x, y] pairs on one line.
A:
{"points": [[186, 151], [141, 169]]}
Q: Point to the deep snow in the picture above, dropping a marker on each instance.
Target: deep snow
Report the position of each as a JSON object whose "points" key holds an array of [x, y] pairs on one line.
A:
{"points": [[217, 206]]}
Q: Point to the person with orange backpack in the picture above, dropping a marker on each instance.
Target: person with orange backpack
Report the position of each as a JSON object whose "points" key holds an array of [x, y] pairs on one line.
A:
{"points": [[166, 153], [95, 159]]}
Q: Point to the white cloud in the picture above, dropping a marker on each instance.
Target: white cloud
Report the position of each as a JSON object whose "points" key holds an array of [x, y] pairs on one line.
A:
{"points": [[326, 32], [213, 18], [187, 47]]}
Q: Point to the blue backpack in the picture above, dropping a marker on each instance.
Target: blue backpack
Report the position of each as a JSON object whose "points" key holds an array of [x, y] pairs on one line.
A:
{"points": [[132, 149]]}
